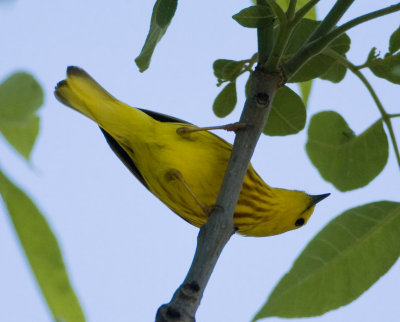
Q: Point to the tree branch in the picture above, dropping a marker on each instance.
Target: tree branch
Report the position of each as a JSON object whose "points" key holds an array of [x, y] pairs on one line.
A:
{"points": [[214, 235]]}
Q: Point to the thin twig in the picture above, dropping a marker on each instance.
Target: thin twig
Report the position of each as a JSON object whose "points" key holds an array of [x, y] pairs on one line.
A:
{"points": [[315, 47], [331, 19], [304, 10], [279, 13], [290, 12], [286, 27], [272, 63], [265, 38], [385, 116]]}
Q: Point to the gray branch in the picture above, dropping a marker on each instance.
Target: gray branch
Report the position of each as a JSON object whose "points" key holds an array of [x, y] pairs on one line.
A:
{"points": [[214, 235]]}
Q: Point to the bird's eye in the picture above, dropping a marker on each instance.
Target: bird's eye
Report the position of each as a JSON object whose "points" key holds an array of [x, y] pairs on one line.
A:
{"points": [[299, 222]]}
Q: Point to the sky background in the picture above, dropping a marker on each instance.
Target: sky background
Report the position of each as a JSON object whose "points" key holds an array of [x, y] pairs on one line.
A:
{"points": [[125, 251]]}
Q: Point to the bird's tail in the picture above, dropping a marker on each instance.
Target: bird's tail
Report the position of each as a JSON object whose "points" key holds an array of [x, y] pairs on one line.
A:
{"points": [[82, 93]]}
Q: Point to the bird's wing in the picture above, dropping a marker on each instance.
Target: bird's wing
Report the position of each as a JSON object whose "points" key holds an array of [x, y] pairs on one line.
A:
{"points": [[124, 157], [121, 153], [163, 117]]}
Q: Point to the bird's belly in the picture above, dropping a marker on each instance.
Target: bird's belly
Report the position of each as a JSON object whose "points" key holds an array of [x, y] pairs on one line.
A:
{"points": [[201, 170]]}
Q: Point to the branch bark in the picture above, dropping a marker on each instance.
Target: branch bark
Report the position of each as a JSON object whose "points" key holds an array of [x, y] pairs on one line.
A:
{"points": [[214, 235]]}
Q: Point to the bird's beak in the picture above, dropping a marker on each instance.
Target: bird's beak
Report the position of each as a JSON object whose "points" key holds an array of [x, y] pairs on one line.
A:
{"points": [[317, 198]]}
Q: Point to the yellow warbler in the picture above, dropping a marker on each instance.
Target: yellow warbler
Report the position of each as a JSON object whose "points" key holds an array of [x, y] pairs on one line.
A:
{"points": [[183, 169]]}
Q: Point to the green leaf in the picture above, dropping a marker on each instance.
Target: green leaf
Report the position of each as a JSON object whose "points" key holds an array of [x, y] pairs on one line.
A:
{"points": [[387, 68], [227, 70], [335, 73], [22, 136], [288, 114], [226, 100], [163, 12], [254, 16], [20, 97], [394, 42], [320, 63], [342, 158], [340, 263], [305, 89], [43, 253]]}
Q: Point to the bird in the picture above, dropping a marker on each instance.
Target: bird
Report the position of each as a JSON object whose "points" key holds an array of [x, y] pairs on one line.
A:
{"points": [[181, 164]]}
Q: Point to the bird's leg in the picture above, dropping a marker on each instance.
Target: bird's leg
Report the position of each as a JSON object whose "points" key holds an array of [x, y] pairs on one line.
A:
{"points": [[176, 174], [228, 127]]}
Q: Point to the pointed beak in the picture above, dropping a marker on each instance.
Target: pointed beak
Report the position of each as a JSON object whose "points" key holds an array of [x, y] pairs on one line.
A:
{"points": [[317, 198]]}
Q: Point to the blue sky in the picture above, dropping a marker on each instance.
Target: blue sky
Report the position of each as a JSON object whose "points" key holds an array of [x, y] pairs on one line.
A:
{"points": [[125, 251]]}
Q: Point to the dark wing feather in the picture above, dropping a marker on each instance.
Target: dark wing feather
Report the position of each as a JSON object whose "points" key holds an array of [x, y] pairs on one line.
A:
{"points": [[124, 157], [163, 117]]}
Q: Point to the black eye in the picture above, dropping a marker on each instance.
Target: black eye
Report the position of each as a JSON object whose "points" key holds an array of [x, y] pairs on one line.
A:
{"points": [[299, 222]]}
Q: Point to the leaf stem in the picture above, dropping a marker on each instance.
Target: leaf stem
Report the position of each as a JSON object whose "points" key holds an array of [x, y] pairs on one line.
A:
{"points": [[316, 46], [279, 13], [286, 27], [285, 30], [303, 11], [364, 18], [385, 116], [290, 12], [331, 19], [362, 65], [272, 64], [265, 36]]}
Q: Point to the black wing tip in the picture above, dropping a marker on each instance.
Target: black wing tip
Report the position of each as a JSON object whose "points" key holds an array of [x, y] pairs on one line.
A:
{"points": [[62, 83], [57, 90], [75, 71], [71, 70], [59, 94]]}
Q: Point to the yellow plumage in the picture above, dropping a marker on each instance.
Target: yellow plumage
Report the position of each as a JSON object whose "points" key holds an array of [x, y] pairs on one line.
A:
{"points": [[149, 145]]}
